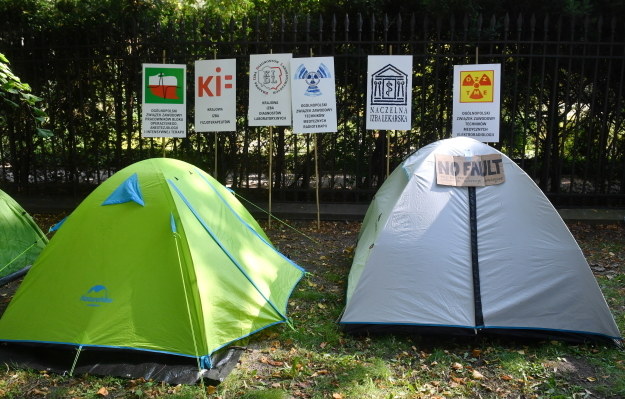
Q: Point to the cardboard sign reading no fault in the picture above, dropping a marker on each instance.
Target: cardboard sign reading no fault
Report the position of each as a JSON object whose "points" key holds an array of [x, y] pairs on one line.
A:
{"points": [[475, 171]]}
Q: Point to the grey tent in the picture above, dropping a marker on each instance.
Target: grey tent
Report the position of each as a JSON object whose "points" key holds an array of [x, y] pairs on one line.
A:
{"points": [[492, 259]]}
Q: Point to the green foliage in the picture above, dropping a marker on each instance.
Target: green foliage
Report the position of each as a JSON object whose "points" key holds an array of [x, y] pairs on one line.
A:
{"points": [[86, 56], [16, 95]]}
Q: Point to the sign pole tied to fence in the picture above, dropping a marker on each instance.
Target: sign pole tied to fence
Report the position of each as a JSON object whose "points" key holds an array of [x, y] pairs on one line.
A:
{"points": [[269, 101], [270, 175], [216, 133], [163, 138], [388, 135], [317, 180]]}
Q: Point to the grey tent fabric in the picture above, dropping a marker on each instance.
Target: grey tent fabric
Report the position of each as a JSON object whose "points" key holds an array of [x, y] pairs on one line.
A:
{"points": [[416, 263]]}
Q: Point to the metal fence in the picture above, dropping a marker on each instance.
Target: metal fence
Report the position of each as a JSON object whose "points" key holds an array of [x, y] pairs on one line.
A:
{"points": [[562, 97]]}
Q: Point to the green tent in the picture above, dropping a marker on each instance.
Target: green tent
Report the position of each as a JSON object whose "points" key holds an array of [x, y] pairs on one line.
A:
{"points": [[159, 258], [21, 240]]}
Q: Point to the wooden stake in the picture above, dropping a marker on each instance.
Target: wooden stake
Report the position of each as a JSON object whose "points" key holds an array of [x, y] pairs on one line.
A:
{"points": [[318, 181], [270, 176], [163, 138], [318, 185], [388, 135], [216, 133]]}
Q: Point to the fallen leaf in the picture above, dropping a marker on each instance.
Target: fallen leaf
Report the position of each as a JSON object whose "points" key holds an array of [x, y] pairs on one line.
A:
{"points": [[457, 366], [266, 360], [320, 372], [477, 375], [211, 389], [506, 377], [337, 396], [591, 379], [323, 345], [103, 391], [476, 352]]}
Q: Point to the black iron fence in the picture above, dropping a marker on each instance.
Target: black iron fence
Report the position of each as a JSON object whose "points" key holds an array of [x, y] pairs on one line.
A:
{"points": [[562, 113]]}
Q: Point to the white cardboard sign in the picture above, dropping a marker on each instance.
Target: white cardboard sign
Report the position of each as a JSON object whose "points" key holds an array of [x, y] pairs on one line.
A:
{"points": [[164, 106], [476, 102], [215, 95], [270, 90], [313, 94], [389, 92], [475, 171]]}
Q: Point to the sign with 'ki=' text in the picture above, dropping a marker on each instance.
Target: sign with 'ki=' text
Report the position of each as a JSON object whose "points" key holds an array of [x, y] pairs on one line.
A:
{"points": [[215, 95], [476, 102], [389, 92], [474, 171], [270, 90], [313, 95], [164, 110]]}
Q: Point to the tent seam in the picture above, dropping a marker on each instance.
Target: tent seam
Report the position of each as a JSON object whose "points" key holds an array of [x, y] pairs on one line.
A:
{"points": [[228, 254], [247, 225]]}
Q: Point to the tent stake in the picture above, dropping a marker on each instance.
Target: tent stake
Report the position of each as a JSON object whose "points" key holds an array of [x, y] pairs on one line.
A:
{"points": [[71, 372]]}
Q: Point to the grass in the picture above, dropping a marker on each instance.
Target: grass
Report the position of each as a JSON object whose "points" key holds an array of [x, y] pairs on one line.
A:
{"points": [[315, 359]]}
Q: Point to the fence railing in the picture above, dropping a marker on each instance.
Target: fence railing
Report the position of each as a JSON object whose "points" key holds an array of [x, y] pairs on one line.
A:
{"points": [[562, 113]]}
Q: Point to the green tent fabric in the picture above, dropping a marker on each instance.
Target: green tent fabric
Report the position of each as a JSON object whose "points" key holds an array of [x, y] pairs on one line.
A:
{"points": [[160, 257], [21, 240]]}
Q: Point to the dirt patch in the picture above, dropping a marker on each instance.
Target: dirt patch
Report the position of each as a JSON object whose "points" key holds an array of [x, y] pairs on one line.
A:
{"points": [[575, 369], [579, 372]]}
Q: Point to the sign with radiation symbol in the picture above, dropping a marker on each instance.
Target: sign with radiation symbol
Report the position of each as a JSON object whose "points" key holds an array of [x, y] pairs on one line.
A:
{"points": [[477, 86], [476, 102]]}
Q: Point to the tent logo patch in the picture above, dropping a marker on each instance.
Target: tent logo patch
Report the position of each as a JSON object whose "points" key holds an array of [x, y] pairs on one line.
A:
{"points": [[96, 296]]}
